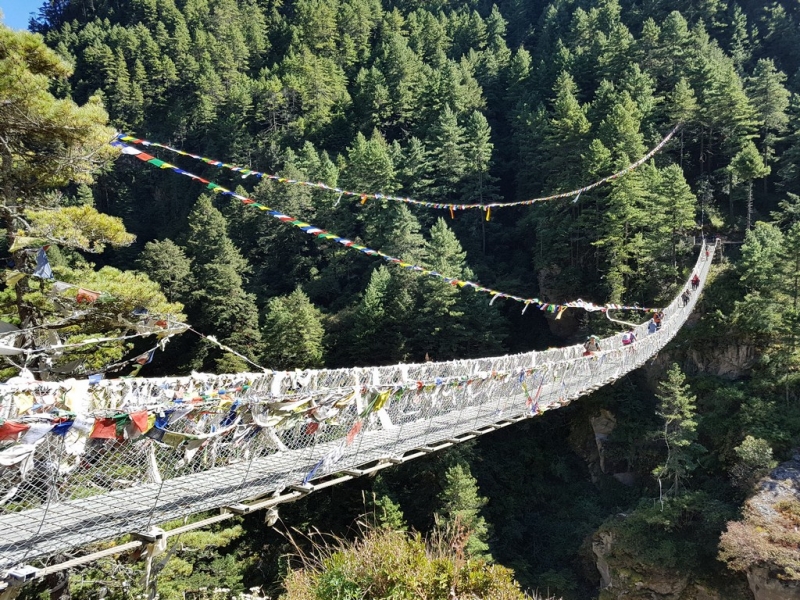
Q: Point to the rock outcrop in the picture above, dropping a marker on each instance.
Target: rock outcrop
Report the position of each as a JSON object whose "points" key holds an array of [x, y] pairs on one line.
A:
{"points": [[622, 577], [765, 544]]}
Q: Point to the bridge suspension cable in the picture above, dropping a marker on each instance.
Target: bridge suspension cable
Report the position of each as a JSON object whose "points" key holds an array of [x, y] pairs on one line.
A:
{"points": [[322, 234], [364, 196], [83, 462]]}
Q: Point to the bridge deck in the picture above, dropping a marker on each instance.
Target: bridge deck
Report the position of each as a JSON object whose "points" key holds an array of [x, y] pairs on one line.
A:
{"points": [[57, 527]]}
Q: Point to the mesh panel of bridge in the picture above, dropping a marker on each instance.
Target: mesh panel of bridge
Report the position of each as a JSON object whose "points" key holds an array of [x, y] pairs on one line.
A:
{"points": [[220, 440]]}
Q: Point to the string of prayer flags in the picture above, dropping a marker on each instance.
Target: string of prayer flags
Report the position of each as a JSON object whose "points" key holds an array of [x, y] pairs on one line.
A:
{"points": [[364, 196], [212, 339], [165, 332], [188, 415], [326, 235], [146, 358]]}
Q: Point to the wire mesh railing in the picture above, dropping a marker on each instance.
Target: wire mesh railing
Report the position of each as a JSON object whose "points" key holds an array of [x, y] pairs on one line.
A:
{"points": [[82, 462]]}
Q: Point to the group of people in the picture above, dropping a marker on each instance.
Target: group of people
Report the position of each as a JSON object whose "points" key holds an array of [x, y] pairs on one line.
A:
{"points": [[592, 344], [655, 323], [687, 293]]}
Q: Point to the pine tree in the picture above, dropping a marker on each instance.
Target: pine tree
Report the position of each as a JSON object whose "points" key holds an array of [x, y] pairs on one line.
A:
{"points": [[293, 333], [519, 71], [219, 305], [648, 46], [373, 322], [771, 100], [446, 147], [461, 504], [478, 185], [166, 264], [675, 47], [47, 144], [439, 331], [761, 258], [624, 215], [566, 136], [728, 115], [403, 71], [672, 216], [415, 169], [370, 166], [746, 166], [741, 50], [682, 108], [620, 130], [766, 272], [677, 408], [372, 101]]}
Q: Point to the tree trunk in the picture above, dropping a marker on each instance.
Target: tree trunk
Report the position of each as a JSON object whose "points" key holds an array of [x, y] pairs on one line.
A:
{"points": [[749, 203]]}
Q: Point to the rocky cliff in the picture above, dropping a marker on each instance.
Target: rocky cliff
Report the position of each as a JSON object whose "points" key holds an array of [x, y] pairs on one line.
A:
{"points": [[765, 544]]}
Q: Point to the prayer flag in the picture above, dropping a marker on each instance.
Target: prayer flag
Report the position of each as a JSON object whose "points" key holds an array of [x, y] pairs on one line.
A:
{"points": [[354, 431], [11, 429], [86, 296], [43, 269], [140, 419], [104, 429], [146, 358]]}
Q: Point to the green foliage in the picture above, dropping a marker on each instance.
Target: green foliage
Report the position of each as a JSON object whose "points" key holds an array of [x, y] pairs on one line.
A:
{"points": [[48, 142], [168, 265], [293, 333], [754, 461], [677, 408], [219, 304], [80, 227], [771, 100], [461, 504], [387, 514], [392, 564], [679, 534], [747, 166]]}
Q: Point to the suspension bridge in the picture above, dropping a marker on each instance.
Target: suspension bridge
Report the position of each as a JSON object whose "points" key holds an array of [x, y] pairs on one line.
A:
{"points": [[124, 456]]}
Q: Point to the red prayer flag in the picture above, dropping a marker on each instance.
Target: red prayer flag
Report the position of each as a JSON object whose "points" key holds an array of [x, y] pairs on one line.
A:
{"points": [[104, 429], [354, 430], [140, 420], [311, 428], [11, 429], [86, 296]]}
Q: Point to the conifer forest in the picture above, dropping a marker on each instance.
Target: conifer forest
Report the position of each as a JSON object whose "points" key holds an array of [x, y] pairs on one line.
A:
{"points": [[651, 488]]}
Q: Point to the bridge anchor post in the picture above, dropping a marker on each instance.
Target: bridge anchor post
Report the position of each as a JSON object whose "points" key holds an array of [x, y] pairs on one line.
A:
{"points": [[13, 580]]}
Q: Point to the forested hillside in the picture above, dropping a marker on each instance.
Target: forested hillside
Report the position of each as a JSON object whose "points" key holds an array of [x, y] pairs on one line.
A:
{"points": [[462, 102]]}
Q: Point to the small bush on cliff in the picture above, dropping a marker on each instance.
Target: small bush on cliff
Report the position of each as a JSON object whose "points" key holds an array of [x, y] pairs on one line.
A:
{"points": [[394, 564], [754, 461], [759, 541]]}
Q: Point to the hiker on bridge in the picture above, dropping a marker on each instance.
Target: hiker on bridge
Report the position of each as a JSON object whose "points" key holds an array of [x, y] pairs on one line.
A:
{"points": [[592, 345], [628, 337]]}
